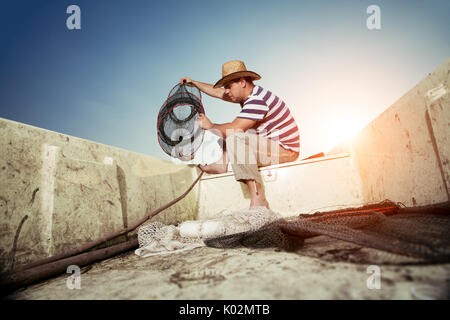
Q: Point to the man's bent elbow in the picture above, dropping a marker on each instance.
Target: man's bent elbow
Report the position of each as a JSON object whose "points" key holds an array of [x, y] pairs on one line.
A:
{"points": [[233, 131]]}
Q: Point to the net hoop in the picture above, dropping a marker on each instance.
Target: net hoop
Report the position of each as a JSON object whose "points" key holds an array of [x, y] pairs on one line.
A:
{"points": [[184, 99]]}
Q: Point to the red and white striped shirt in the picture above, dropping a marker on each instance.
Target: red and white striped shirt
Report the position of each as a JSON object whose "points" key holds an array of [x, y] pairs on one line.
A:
{"points": [[274, 120]]}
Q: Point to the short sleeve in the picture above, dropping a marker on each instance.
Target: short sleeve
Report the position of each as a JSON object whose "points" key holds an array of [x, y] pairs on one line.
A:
{"points": [[253, 110]]}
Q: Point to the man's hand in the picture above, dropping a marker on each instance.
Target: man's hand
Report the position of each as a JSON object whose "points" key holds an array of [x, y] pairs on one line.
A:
{"points": [[222, 130], [204, 122], [187, 81], [206, 88]]}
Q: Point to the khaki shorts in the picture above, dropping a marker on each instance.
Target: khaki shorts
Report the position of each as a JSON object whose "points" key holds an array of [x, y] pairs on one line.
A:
{"points": [[246, 151]]}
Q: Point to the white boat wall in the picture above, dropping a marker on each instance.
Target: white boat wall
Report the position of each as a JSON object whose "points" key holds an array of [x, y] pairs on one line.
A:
{"points": [[58, 192]]}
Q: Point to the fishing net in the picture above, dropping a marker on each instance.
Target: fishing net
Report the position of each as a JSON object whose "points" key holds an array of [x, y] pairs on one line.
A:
{"points": [[422, 234], [179, 134], [157, 238], [396, 235]]}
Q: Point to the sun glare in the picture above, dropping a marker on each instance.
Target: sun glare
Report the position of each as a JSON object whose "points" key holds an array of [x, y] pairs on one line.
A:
{"points": [[339, 129]]}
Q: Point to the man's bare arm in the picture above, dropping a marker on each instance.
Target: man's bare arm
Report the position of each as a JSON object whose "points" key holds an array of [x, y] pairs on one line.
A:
{"points": [[208, 89], [222, 130]]}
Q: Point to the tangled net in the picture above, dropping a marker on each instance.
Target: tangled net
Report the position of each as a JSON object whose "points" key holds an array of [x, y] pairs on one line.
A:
{"points": [[420, 233], [157, 238]]}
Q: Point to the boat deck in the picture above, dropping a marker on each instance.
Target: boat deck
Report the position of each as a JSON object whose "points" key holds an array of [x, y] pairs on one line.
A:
{"points": [[323, 268]]}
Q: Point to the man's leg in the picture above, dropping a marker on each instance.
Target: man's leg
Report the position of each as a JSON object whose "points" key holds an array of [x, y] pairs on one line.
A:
{"points": [[271, 153], [246, 154], [257, 198], [242, 153]]}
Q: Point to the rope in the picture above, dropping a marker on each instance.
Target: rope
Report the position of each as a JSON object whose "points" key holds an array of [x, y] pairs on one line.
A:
{"points": [[113, 235]]}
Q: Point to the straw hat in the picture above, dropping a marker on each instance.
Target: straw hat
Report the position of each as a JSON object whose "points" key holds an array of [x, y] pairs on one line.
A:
{"points": [[235, 69]]}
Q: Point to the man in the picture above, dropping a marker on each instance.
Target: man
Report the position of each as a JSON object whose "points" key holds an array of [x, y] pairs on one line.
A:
{"points": [[263, 133]]}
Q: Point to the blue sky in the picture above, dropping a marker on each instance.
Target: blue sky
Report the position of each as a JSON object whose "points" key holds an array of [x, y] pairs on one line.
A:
{"points": [[107, 81]]}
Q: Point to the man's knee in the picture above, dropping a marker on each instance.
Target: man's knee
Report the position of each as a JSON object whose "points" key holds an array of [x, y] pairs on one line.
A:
{"points": [[241, 147], [235, 136]]}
